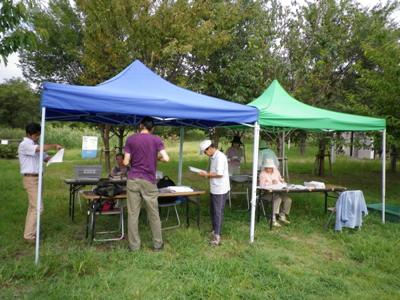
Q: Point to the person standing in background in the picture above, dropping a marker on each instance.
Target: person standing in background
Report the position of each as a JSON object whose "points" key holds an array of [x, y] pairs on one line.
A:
{"points": [[29, 160], [235, 156]]}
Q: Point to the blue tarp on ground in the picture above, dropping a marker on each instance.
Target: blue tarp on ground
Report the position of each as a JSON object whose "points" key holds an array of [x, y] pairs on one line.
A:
{"points": [[138, 92]]}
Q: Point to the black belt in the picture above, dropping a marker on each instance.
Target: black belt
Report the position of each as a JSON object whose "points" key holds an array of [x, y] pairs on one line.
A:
{"points": [[31, 175]]}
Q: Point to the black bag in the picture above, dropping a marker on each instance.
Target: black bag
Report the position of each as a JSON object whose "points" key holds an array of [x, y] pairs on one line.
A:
{"points": [[162, 183], [107, 189]]}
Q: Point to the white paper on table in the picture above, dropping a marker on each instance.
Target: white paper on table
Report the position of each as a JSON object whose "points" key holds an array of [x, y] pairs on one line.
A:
{"points": [[196, 170], [4, 142], [276, 186], [57, 158], [176, 189]]}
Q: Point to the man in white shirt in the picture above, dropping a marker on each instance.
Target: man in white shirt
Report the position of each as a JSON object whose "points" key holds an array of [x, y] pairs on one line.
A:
{"points": [[28, 153], [219, 186]]}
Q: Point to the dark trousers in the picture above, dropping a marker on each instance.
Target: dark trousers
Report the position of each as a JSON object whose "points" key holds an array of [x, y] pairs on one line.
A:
{"points": [[217, 205]]}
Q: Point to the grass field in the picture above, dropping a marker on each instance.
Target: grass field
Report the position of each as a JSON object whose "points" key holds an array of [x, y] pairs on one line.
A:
{"points": [[299, 261]]}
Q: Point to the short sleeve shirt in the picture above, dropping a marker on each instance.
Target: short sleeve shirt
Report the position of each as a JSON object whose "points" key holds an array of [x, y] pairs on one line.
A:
{"points": [[219, 165], [143, 148]]}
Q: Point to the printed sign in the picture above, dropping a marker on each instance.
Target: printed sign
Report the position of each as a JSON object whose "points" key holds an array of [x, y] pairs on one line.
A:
{"points": [[89, 146]]}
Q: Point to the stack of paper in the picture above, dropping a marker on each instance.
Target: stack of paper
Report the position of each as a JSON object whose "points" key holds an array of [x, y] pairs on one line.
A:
{"points": [[314, 184], [297, 187], [276, 186], [176, 189]]}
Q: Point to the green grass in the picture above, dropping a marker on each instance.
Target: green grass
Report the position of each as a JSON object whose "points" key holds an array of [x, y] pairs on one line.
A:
{"points": [[299, 261]]}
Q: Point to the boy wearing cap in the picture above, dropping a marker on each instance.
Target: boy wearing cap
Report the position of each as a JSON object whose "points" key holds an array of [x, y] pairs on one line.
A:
{"points": [[219, 186], [270, 175], [235, 156]]}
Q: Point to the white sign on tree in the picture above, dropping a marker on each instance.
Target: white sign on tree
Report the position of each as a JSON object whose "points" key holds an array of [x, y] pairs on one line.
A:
{"points": [[89, 146]]}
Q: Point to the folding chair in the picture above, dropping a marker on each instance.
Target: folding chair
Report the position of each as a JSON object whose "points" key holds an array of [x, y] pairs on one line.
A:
{"points": [[242, 181], [168, 205], [92, 215], [349, 209]]}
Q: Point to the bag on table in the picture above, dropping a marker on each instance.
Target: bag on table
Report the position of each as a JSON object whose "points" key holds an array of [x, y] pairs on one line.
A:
{"points": [[162, 183], [107, 189]]}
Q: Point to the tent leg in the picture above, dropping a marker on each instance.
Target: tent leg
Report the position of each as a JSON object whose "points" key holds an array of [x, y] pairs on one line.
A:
{"points": [[180, 166], [40, 181], [383, 174], [254, 180], [283, 154]]}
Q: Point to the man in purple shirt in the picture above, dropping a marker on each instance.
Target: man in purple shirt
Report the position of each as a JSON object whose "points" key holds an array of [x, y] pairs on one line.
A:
{"points": [[142, 150]]}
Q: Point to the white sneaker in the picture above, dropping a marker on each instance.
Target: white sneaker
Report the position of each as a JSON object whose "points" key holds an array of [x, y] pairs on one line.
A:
{"points": [[284, 220], [276, 224], [216, 241]]}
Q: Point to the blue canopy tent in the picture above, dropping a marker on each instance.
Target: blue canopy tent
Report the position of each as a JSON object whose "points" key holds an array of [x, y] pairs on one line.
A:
{"points": [[132, 94], [138, 92]]}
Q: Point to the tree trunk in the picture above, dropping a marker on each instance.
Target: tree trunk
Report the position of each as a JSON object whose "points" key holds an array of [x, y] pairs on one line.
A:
{"points": [[214, 136], [120, 132], [302, 144], [393, 158], [105, 135], [320, 157]]}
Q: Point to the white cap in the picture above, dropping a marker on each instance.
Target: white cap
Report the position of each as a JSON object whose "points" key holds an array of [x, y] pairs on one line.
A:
{"points": [[268, 163], [204, 145]]}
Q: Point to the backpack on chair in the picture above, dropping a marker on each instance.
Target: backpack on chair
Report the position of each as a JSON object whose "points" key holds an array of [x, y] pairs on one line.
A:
{"points": [[162, 183]]}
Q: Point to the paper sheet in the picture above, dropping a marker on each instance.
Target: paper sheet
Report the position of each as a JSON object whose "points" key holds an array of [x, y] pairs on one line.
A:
{"points": [[196, 170], [57, 158]]}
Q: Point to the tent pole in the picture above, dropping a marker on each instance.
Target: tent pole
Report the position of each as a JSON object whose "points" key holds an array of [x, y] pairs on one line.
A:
{"points": [[383, 174], [283, 154], [40, 181], [180, 166], [254, 180]]}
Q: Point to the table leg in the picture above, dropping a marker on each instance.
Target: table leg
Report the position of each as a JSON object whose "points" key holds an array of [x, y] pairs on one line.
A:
{"points": [[326, 202], [198, 211], [70, 199], [73, 203], [272, 211], [187, 212]]}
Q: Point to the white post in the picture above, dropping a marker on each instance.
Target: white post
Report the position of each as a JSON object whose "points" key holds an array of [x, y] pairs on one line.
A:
{"points": [[180, 166], [383, 174], [254, 181], [283, 154], [39, 194]]}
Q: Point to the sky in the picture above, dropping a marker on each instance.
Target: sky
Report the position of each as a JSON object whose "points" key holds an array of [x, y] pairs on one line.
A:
{"points": [[12, 69]]}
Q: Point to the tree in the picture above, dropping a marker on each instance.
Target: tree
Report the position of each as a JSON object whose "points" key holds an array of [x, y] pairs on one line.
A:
{"points": [[13, 34], [19, 104], [57, 52], [377, 82]]}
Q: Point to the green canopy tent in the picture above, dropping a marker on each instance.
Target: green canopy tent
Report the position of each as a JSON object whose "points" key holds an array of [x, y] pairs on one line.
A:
{"points": [[280, 111]]}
